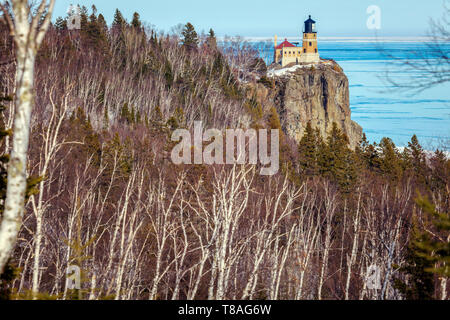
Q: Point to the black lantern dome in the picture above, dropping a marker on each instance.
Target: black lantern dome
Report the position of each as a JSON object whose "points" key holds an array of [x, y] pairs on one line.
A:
{"points": [[310, 26]]}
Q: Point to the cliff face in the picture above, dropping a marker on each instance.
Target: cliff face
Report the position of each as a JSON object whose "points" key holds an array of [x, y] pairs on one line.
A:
{"points": [[318, 94]]}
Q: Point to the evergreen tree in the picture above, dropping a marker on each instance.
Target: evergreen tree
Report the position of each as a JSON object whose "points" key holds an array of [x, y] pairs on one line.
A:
{"points": [[253, 107], [136, 22], [60, 24], [153, 38], [219, 64], [211, 40], [168, 74], [119, 21], [190, 37], [157, 115], [440, 175], [95, 34], [274, 119], [309, 151], [83, 17], [102, 24], [118, 27], [391, 165], [337, 161], [436, 250], [369, 155], [416, 160], [116, 149], [91, 32], [125, 114], [258, 66], [81, 129], [418, 283], [93, 16], [106, 119]]}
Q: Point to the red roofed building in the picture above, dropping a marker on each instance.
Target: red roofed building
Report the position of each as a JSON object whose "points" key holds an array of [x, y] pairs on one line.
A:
{"points": [[287, 53], [285, 44]]}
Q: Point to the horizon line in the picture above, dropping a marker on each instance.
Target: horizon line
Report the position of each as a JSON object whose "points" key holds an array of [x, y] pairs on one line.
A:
{"points": [[344, 39]]}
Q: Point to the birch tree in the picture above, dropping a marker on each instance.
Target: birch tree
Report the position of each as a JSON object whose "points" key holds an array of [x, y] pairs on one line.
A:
{"points": [[51, 146], [29, 31]]}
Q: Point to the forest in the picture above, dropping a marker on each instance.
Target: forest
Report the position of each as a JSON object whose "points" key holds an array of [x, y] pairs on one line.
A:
{"points": [[103, 195]]}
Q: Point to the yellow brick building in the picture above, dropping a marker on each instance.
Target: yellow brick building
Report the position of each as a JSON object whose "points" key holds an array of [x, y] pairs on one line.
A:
{"points": [[287, 53]]}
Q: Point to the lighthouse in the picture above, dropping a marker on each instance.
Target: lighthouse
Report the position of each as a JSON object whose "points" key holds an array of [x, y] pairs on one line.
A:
{"points": [[310, 48], [287, 53]]}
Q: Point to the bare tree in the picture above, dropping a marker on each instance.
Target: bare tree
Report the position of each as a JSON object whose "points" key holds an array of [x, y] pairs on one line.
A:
{"points": [[29, 31], [330, 211], [429, 67]]}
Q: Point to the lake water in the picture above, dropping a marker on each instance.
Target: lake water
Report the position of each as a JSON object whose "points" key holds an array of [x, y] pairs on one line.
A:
{"points": [[381, 111]]}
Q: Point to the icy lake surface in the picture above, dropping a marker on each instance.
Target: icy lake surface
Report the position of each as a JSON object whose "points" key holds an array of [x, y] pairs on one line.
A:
{"points": [[384, 112]]}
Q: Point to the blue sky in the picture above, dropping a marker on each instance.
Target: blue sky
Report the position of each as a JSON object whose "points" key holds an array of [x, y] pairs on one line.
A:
{"points": [[341, 18]]}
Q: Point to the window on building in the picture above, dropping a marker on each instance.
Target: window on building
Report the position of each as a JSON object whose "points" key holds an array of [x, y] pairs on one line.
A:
{"points": [[310, 44]]}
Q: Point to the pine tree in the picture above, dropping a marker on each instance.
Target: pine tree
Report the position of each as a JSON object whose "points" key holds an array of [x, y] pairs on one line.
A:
{"points": [[136, 22], [417, 283], [337, 161], [92, 35], [118, 27], [368, 155], [168, 74], [440, 175], [60, 24], [218, 64], [83, 17], [212, 41], [391, 164], [274, 119], [116, 149], [103, 34], [133, 115], [436, 250], [157, 115], [119, 21], [309, 151], [106, 119], [416, 160], [190, 37], [102, 24], [93, 16], [81, 129], [125, 114]]}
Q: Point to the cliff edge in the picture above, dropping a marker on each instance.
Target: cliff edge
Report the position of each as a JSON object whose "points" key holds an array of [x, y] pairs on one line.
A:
{"points": [[316, 93]]}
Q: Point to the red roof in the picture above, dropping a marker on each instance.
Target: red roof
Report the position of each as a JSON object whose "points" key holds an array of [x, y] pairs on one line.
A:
{"points": [[285, 44]]}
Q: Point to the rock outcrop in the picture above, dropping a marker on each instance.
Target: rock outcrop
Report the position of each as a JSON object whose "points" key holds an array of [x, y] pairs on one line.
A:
{"points": [[314, 93]]}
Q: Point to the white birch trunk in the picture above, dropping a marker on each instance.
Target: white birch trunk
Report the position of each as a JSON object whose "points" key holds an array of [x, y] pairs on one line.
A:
{"points": [[28, 37]]}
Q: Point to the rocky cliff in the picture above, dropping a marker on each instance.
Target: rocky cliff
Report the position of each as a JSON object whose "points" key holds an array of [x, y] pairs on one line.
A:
{"points": [[313, 93]]}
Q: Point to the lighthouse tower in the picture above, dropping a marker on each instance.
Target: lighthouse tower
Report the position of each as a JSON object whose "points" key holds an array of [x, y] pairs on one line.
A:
{"points": [[310, 50]]}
